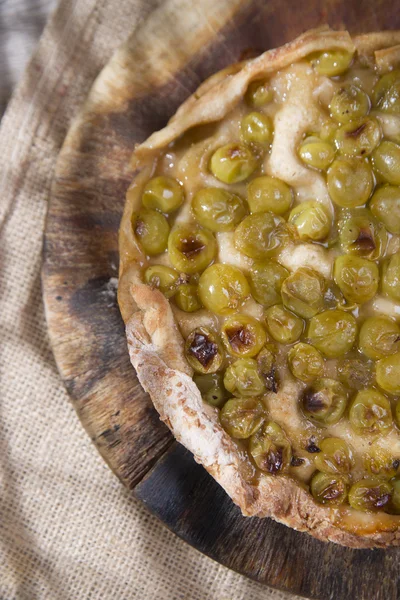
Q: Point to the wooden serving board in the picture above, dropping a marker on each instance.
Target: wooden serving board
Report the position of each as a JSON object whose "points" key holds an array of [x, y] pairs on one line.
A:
{"points": [[181, 44]]}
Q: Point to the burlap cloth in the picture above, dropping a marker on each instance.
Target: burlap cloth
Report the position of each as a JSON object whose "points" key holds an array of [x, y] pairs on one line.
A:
{"points": [[68, 528]]}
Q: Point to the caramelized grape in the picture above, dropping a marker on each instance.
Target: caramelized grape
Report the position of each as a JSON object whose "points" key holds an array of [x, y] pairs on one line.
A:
{"points": [[243, 379], [348, 103], [324, 402], [203, 351], [305, 362], [283, 325], [242, 417], [163, 278], [191, 248], [261, 235], [379, 337], [303, 292], [271, 449], [370, 495], [243, 336], [151, 229], [328, 489], [312, 221], [357, 278], [335, 456], [370, 412], [218, 209], [223, 288], [233, 163]]}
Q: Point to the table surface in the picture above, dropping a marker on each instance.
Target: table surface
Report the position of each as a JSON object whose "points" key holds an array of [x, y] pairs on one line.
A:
{"points": [[21, 24]]}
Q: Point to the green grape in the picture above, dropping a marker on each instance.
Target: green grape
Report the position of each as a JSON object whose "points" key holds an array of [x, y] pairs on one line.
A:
{"points": [[350, 182], [379, 462], [370, 412], [266, 280], [370, 495], [303, 292], [312, 221], [269, 194], [335, 456], [388, 373], [223, 288], [259, 93], [243, 336], [385, 206], [355, 373], [267, 369], [191, 248], [379, 337], [358, 138], [284, 326], [305, 362], [391, 277], [386, 162], [151, 229], [361, 234], [164, 194], [316, 153], [242, 417], [261, 235], [217, 209], [271, 449], [256, 128], [233, 163], [394, 507], [243, 379], [332, 332], [211, 388], [357, 278], [331, 62], [186, 297], [203, 351], [387, 93], [348, 103], [163, 278], [324, 402], [328, 489]]}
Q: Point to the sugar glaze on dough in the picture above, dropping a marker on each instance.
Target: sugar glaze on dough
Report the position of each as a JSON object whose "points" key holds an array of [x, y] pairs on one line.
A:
{"points": [[154, 340]]}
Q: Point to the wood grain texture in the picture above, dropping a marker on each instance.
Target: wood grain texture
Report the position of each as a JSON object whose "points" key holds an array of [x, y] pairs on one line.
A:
{"points": [[130, 100]]}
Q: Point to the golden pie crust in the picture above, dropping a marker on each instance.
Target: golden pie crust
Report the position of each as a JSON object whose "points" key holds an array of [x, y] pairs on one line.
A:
{"points": [[156, 346]]}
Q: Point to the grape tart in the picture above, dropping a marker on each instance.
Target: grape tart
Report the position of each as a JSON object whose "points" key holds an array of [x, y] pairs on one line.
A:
{"points": [[260, 282]]}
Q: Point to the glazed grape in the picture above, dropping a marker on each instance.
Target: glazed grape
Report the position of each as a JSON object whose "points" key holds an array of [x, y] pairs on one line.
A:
{"points": [[267, 368], [223, 288], [203, 351], [348, 103], [370, 495], [217, 209], [385, 206], [388, 373], [242, 417], [332, 332], [284, 326], [186, 297], [271, 449], [350, 182], [386, 162], [379, 462], [332, 62], [305, 362], [335, 456], [312, 221], [163, 278], [328, 489], [233, 163], [391, 277], [357, 278], [151, 229], [256, 128], [358, 138], [355, 373], [379, 337], [211, 388], [243, 379], [259, 93], [243, 336], [269, 194], [191, 248], [261, 235], [266, 280], [370, 412], [164, 194], [361, 234], [303, 292], [324, 402], [387, 93], [316, 153]]}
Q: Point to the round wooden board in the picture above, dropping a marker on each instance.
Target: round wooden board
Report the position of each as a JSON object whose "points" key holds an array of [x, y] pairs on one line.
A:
{"points": [[177, 48]]}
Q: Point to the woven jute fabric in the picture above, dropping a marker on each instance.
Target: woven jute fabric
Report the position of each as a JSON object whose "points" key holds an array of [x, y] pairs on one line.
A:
{"points": [[68, 528]]}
